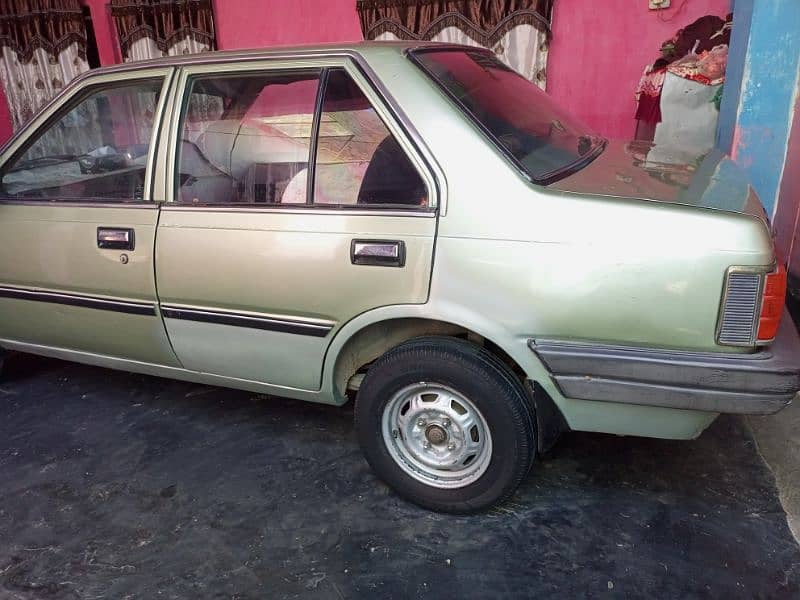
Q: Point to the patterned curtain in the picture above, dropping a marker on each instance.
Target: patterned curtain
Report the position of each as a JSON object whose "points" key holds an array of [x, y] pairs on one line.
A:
{"points": [[154, 28], [42, 47], [517, 31]]}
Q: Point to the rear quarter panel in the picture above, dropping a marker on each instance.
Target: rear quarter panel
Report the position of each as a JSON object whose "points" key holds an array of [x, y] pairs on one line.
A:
{"points": [[550, 263], [515, 261]]}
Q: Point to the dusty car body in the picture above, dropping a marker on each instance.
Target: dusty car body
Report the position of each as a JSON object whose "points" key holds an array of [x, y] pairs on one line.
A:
{"points": [[487, 289]]}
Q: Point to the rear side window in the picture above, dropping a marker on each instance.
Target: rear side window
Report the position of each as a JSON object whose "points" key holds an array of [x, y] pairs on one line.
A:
{"points": [[359, 162], [95, 149], [542, 139], [265, 138]]}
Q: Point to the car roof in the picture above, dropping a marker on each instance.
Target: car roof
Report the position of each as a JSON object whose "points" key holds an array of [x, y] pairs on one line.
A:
{"points": [[364, 49]]}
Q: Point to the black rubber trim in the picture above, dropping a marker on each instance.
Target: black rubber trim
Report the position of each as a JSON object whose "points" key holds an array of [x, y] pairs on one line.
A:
{"points": [[123, 306], [758, 383], [311, 171], [550, 422], [252, 322], [79, 203]]}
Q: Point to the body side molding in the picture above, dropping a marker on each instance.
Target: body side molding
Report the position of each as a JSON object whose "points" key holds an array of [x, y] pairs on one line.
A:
{"points": [[295, 326], [133, 307]]}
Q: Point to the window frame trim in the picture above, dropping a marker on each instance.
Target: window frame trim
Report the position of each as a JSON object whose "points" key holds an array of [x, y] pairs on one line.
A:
{"points": [[369, 84], [181, 105], [311, 173], [85, 85]]}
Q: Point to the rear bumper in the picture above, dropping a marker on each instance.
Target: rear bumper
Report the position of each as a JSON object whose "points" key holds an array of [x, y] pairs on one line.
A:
{"points": [[759, 383]]}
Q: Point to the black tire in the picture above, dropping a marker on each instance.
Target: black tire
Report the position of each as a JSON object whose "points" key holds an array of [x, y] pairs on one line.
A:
{"points": [[480, 377]]}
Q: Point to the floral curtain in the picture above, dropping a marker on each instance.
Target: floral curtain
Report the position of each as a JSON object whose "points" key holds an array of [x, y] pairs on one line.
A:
{"points": [[153, 28], [518, 31], [42, 47]]}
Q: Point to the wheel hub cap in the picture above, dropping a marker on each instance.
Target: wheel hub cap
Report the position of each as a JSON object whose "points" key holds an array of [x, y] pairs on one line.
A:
{"points": [[437, 435]]}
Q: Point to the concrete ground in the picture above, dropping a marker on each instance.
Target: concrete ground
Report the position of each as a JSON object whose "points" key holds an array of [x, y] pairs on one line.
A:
{"points": [[115, 485], [778, 440]]}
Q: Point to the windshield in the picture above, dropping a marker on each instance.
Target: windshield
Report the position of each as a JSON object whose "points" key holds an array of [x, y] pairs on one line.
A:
{"points": [[541, 138]]}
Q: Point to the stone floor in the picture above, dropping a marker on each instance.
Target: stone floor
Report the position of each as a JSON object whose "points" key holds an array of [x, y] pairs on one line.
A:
{"points": [[115, 485]]}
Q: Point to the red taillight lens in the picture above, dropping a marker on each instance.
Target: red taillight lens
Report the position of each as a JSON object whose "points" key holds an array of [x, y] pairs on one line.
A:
{"points": [[772, 305]]}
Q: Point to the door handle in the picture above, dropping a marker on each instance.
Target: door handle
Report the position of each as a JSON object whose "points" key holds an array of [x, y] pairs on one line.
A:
{"points": [[379, 253], [115, 238]]}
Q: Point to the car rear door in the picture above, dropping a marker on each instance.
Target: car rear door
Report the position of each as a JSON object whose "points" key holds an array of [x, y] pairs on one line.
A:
{"points": [[295, 203], [77, 223]]}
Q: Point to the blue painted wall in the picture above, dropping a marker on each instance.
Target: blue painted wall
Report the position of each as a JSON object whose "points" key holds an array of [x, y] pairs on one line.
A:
{"points": [[737, 53], [759, 134]]}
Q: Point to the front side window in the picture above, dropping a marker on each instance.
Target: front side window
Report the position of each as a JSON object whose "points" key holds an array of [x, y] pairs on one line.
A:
{"points": [[96, 149], [541, 138]]}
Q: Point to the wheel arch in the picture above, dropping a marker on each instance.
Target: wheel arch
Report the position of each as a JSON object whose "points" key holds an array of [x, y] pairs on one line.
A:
{"points": [[372, 334]]}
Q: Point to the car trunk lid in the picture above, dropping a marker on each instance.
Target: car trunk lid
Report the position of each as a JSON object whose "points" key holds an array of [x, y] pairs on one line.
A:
{"points": [[657, 173]]}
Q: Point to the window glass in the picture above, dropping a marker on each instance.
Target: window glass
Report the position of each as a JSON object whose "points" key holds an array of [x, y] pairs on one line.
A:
{"points": [[96, 150], [358, 160], [542, 138], [245, 139]]}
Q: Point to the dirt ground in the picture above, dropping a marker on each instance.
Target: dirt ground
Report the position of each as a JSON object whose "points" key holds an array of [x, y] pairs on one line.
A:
{"points": [[115, 485]]}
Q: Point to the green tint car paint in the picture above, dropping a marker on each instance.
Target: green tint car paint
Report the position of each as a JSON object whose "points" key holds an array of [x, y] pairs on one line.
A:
{"points": [[378, 221]]}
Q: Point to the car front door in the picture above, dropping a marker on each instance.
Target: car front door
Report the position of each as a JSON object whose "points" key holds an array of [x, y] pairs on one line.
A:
{"points": [[295, 203], [77, 224]]}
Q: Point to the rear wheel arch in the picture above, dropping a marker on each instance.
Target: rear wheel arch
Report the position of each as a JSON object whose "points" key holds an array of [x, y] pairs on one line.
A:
{"points": [[375, 339], [371, 341]]}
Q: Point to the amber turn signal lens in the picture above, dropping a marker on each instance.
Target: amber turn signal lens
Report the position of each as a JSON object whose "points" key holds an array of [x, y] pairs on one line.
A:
{"points": [[772, 305]]}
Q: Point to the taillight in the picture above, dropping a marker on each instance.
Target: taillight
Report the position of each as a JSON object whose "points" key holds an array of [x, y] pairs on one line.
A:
{"points": [[772, 303], [752, 306]]}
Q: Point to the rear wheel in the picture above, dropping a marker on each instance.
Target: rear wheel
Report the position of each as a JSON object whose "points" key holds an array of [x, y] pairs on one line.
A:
{"points": [[446, 424]]}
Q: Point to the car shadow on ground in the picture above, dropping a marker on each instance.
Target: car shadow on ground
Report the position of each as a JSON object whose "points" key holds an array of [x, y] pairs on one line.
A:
{"points": [[114, 484]]}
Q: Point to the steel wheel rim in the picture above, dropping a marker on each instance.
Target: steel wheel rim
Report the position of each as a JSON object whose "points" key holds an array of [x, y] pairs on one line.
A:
{"points": [[437, 435]]}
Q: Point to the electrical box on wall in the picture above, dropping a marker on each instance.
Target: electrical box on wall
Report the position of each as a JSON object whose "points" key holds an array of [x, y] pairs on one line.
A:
{"points": [[658, 4]]}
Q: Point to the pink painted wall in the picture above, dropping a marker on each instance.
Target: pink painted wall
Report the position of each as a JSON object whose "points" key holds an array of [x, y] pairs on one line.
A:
{"points": [[599, 51], [6, 128], [260, 23], [104, 31], [596, 57], [239, 24], [107, 47]]}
